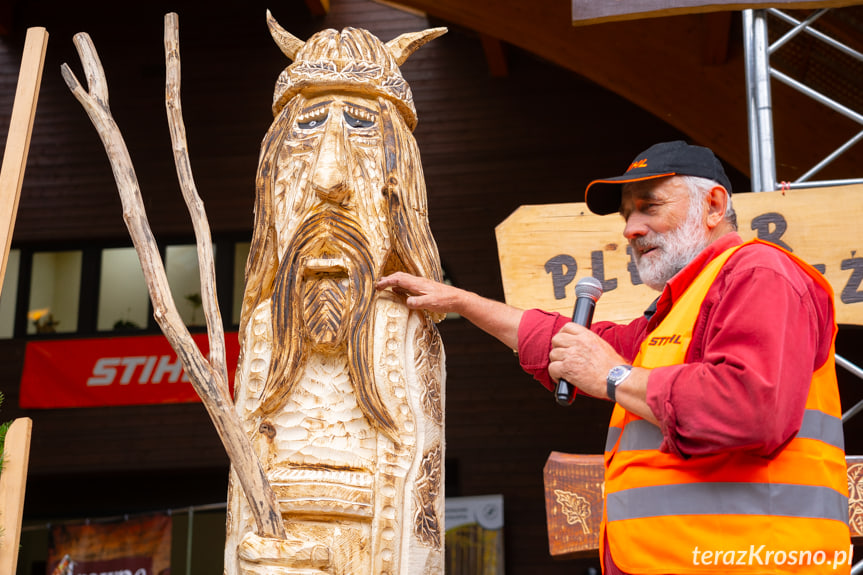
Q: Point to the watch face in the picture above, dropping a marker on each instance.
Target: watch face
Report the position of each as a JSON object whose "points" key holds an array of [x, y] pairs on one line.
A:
{"points": [[617, 372]]}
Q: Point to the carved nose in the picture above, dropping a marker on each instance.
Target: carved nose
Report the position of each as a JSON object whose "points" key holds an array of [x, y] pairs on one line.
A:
{"points": [[330, 180]]}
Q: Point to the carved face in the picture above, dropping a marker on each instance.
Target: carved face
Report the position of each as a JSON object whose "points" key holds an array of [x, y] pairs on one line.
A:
{"points": [[330, 210], [340, 202]]}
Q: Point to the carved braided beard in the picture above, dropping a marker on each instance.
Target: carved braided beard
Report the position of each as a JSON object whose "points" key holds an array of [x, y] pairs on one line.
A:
{"points": [[325, 307], [322, 300]]}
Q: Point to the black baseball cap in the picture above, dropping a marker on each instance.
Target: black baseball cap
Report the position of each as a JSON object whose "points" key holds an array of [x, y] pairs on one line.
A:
{"points": [[675, 158]]}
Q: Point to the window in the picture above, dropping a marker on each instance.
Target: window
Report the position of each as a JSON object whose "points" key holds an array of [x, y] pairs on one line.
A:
{"points": [[124, 303], [94, 290], [9, 295], [181, 265], [55, 286]]}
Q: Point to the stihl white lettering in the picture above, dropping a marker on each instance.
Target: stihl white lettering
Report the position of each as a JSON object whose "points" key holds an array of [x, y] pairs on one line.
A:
{"points": [[166, 367], [104, 371], [130, 363], [149, 369]]}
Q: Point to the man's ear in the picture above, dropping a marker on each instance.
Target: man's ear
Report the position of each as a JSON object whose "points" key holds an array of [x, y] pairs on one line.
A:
{"points": [[717, 202]]}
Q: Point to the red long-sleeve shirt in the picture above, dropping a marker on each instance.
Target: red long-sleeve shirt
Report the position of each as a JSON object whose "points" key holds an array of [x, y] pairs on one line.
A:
{"points": [[763, 328]]}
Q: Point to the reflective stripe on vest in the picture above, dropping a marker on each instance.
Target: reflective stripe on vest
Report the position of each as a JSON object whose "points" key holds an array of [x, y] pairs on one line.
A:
{"points": [[660, 507], [641, 434], [728, 498]]}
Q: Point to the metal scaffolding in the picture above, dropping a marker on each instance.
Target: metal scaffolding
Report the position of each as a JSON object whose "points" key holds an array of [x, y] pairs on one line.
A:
{"points": [[762, 159], [759, 72]]}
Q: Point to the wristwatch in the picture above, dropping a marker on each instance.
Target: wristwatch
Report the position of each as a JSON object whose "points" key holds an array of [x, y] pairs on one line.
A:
{"points": [[616, 376]]}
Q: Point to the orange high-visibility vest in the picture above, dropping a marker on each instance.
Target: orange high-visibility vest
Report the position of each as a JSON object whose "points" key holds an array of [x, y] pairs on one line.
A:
{"points": [[732, 512]]}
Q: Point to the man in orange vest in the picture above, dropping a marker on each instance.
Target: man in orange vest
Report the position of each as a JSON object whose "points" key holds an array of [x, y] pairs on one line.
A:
{"points": [[725, 451]]}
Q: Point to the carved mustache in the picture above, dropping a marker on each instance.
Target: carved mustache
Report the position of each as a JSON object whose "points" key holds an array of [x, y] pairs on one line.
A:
{"points": [[339, 232]]}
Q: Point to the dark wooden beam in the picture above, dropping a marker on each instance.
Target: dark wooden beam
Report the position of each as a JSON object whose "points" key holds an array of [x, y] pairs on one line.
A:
{"points": [[592, 12], [318, 7], [714, 42], [495, 56], [660, 65]]}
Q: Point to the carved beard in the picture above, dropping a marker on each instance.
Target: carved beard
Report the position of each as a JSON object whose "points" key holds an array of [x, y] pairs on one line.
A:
{"points": [[325, 305], [328, 274]]}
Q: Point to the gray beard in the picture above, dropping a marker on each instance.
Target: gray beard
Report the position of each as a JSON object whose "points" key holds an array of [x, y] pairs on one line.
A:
{"points": [[676, 249]]}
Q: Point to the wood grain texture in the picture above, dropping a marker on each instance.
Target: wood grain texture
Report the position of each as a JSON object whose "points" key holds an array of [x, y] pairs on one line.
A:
{"points": [[13, 483], [18, 138], [208, 383], [573, 503], [545, 249], [340, 388]]}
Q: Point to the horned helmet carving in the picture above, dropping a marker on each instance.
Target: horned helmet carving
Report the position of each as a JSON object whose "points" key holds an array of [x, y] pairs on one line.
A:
{"points": [[351, 59]]}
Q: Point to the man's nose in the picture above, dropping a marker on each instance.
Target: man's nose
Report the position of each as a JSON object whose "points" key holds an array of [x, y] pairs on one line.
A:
{"points": [[330, 177], [635, 227]]}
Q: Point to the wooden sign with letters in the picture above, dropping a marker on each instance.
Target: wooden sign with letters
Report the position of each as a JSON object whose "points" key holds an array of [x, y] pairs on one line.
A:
{"points": [[545, 249]]}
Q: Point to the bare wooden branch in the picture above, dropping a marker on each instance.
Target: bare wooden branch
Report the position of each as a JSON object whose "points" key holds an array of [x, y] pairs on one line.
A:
{"points": [[209, 383], [206, 266]]}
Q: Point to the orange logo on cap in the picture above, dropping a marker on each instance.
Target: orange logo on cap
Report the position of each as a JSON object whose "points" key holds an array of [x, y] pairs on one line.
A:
{"points": [[638, 164]]}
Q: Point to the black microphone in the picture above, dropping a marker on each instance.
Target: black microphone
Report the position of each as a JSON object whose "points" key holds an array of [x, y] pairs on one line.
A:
{"points": [[587, 291]]}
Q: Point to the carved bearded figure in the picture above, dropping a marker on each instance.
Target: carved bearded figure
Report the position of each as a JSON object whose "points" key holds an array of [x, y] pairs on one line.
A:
{"points": [[341, 388]]}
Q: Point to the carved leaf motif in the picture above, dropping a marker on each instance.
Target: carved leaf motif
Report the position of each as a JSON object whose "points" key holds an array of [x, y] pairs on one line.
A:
{"points": [[855, 497], [575, 507], [427, 358], [426, 524], [360, 70]]}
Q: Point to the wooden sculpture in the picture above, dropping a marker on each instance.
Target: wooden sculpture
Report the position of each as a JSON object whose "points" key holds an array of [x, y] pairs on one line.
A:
{"points": [[336, 435]]}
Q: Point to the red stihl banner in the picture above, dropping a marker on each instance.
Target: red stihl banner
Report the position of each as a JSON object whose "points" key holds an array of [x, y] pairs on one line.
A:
{"points": [[136, 370]]}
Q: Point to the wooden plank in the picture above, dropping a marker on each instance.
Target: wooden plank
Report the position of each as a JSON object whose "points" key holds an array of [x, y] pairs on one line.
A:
{"points": [[13, 480], [573, 502], [585, 12], [544, 250], [855, 497], [18, 139]]}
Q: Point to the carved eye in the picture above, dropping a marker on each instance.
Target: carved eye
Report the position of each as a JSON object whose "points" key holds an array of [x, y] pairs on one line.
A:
{"points": [[357, 118], [311, 120]]}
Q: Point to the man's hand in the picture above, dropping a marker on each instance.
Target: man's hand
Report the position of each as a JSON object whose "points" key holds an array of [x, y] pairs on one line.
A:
{"points": [[582, 358], [423, 293], [493, 317]]}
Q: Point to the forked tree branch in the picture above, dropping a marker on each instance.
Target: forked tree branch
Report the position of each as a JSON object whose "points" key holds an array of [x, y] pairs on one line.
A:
{"points": [[209, 381], [206, 266]]}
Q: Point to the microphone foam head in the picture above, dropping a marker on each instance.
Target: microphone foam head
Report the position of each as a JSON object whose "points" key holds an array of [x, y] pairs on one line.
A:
{"points": [[588, 287]]}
